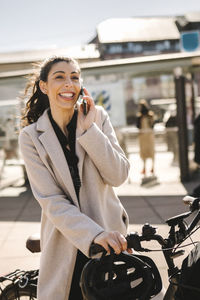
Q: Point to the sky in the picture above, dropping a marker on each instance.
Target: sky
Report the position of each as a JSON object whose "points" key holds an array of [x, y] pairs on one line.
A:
{"points": [[43, 24]]}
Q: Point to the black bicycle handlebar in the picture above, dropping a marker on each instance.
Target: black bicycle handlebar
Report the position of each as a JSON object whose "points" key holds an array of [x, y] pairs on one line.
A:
{"points": [[149, 233], [134, 240]]}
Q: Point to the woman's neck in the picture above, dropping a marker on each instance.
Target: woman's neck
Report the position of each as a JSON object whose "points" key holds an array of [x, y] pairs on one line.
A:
{"points": [[62, 118]]}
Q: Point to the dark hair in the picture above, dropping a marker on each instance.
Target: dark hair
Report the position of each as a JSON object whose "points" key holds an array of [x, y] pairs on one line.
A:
{"points": [[144, 107], [37, 100], [144, 110]]}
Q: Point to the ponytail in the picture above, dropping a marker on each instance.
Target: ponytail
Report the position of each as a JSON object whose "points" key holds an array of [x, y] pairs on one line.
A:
{"points": [[35, 106]]}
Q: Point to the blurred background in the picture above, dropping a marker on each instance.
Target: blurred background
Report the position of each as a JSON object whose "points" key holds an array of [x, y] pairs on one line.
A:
{"points": [[128, 50]]}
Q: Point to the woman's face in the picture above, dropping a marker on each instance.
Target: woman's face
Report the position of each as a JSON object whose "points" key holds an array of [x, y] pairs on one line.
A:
{"points": [[63, 85]]}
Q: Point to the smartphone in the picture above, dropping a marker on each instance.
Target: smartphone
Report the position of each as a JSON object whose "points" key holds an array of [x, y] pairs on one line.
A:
{"points": [[85, 107], [84, 102]]}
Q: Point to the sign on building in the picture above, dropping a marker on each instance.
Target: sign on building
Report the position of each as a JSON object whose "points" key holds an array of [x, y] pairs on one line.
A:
{"points": [[111, 97], [190, 41]]}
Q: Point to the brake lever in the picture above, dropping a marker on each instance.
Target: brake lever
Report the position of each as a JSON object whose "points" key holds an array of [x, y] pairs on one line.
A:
{"points": [[134, 241]]}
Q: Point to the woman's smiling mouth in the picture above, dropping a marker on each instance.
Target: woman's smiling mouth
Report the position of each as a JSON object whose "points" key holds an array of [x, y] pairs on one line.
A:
{"points": [[66, 96]]}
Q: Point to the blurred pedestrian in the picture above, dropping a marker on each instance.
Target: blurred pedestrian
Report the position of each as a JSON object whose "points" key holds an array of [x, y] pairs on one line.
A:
{"points": [[170, 120], [10, 145], [145, 123], [73, 160]]}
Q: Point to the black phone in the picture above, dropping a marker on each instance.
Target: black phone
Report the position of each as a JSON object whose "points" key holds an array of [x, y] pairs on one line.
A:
{"points": [[84, 102]]}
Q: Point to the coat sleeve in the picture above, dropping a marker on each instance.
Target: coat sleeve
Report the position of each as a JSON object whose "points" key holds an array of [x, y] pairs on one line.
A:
{"points": [[104, 150], [78, 228]]}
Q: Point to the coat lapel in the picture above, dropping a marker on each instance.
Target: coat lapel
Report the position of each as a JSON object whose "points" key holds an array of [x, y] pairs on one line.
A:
{"points": [[80, 152], [52, 146], [79, 149]]}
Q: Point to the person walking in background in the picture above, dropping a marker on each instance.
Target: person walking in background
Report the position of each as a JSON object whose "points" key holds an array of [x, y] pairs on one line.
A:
{"points": [[145, 123], [170, 121], [73, 161], [10, 145]]}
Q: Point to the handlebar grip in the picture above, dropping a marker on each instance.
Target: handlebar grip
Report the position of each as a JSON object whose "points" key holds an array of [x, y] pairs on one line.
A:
{"points": [[95, 249], [133, 241]]}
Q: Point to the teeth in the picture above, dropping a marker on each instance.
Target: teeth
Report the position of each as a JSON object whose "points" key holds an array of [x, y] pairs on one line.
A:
{"points": [[66, 94]]}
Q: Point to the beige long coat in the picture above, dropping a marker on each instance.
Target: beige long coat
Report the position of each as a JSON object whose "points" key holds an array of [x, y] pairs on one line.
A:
{"points": [[66, 225]]}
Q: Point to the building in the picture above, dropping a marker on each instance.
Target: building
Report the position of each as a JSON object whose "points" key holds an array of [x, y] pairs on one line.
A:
{"points": [[128, 37], [138, 36]]}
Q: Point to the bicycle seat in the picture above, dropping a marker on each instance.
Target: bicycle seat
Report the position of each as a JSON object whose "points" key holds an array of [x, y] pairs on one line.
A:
{"points": [[33, 243], [177, 219]]}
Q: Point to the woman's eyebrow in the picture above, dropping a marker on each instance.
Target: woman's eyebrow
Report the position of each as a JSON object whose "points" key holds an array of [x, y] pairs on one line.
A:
{"points": [[59, 72], [74, 72]]}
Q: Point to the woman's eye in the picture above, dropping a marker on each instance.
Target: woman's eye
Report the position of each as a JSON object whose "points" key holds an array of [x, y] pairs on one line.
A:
{"points": [[59, 77], [75, 78]]}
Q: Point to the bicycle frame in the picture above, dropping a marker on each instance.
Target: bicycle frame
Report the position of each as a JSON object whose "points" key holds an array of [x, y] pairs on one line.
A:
{"points": [[174, 238], [169, 295], [19, 283]]}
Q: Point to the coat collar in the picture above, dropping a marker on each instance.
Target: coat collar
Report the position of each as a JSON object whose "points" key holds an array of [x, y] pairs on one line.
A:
{"points": [[54, 149], [51, 144]]}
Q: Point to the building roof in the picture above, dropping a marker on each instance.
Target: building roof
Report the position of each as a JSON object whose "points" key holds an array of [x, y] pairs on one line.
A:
{"points": [[193, 16], [116, 30]]}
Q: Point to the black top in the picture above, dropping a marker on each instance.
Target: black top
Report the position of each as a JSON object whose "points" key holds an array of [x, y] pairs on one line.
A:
{"points": [[70, 154]]}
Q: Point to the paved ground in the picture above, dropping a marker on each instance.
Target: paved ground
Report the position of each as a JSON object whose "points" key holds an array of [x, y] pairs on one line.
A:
{"points": [[153, 203]]}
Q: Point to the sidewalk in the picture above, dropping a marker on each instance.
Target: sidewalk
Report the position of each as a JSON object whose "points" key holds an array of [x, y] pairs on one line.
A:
{"points": [[152, 203]]}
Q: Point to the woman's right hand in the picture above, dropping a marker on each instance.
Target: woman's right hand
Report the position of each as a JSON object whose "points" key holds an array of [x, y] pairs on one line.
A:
{"points": [[114, 239], [85, 122]]}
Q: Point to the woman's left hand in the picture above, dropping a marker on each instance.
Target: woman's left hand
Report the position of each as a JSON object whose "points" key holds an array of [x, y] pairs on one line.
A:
{"points": [[86, 121], [113, 239]]}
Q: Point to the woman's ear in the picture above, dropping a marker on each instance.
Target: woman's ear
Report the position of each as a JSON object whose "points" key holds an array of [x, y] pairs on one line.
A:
{"points": [[43, 86]]}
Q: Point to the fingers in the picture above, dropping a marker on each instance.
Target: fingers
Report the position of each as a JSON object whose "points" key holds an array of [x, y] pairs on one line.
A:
{"points": [[113, 239], [122, 241], [88, 98], [86, 92], [130, 250]]}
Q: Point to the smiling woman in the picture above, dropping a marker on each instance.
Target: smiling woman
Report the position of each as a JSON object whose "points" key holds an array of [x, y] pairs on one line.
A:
{"points": [[62, 87], [68, 157], [56, 75]]}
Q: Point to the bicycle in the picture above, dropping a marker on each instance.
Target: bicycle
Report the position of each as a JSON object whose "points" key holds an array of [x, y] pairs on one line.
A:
{"points": [[24, 283], [21, 285], [179, 231]]}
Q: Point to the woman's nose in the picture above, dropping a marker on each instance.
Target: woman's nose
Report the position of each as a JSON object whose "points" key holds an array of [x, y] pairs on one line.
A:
{"points": [[68, 82]]}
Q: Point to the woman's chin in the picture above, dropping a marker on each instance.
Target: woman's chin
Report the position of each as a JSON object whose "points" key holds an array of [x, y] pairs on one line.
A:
{"points": [[68, 105]]}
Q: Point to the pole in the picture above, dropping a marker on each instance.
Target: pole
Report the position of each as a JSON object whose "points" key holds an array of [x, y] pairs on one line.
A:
{"points": [[182, 127]]}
